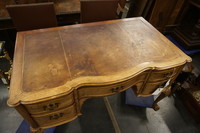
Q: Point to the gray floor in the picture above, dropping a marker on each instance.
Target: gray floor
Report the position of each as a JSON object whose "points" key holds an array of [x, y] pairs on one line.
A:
{"points": [[10, 119], [171, 118]]}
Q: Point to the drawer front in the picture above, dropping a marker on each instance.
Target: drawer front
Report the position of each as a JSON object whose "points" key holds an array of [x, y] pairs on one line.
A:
{"points": [[50, 105], [104, 90], [56, 117], [151, 87], [163, 74]]}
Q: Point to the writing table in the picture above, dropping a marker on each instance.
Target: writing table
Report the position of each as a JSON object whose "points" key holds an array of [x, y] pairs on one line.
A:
{"points": [[56, 69]]}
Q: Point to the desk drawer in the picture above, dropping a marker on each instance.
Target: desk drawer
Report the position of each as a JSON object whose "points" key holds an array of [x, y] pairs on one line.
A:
{"points": [[55, 118], [151, 87], [50, 105], [159, 75], [93, 91]]}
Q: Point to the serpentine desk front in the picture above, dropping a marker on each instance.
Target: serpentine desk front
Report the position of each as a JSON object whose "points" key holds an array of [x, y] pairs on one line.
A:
{"points": [[56, 69]]}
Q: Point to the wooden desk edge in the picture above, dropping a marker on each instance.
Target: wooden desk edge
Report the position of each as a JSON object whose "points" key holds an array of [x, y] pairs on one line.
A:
{"points": [[26, 98]]}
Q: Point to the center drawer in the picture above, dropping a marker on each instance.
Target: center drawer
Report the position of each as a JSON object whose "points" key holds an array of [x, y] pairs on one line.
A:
{"points": [[50, 105], [94, 91]]}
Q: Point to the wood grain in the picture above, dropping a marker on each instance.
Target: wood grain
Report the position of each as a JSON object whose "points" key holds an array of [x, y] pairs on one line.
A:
{"points": [[58, 57], [89, 60]]}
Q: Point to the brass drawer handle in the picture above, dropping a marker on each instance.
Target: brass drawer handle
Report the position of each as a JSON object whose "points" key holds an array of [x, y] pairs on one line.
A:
{"points": [[161, 86], [168, 75], [56, 116], [116, 89], [164, 85], [51, 106]]}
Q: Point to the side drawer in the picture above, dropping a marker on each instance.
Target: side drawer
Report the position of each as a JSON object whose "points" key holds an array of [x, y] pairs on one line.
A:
{"points": [[159, 75], [151, 87], [50, 105], [93, 91], [56, 118]]}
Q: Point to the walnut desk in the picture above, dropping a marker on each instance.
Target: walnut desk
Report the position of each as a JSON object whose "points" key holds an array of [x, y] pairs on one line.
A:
{"points": [[56, 69]]}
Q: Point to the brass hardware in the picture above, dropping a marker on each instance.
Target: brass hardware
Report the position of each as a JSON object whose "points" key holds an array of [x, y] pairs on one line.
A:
{"points": [[116, 89], [51, 106], [168, 75], [56, 116], [161, 86], [5, 76]]}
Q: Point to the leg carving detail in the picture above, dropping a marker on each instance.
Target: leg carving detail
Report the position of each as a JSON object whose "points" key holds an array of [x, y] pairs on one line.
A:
{"points": [[164, 93]]}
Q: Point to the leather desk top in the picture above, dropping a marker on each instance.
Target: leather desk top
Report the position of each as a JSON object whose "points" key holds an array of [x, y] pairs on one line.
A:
{"points": [[55, 61]]}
